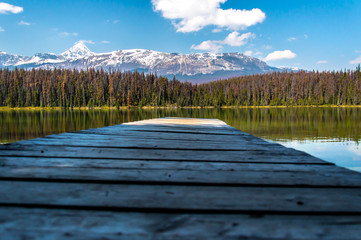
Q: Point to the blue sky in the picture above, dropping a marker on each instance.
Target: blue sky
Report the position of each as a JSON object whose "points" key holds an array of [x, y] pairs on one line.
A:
{"points": [[321, 35]]}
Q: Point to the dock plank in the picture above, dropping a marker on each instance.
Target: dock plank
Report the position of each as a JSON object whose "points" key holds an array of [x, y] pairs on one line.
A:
{"points": [[286, 156], [182, 171], [129, 128], [158, 135], [154, 143], [248, 176], [175, 197], [165, 164], [25, 223]]}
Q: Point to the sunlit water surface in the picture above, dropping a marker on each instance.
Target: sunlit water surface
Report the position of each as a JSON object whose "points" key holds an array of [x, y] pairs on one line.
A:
{"points": [[332, 134]]}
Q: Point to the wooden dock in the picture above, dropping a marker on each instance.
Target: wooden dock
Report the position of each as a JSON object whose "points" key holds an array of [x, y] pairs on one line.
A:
{"points": [[172, 178]]}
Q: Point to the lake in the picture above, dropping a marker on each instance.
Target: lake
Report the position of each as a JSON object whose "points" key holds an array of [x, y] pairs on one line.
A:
{"points": [[332, 134]]}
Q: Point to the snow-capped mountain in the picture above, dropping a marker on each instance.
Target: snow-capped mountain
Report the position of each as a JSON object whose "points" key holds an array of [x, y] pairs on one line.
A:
{"points": [[79, 50], [196, 67], [9, 59]]}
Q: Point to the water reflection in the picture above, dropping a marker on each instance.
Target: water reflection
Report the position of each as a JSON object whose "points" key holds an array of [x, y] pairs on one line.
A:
{"points": [[347, 153], [332, 134]]}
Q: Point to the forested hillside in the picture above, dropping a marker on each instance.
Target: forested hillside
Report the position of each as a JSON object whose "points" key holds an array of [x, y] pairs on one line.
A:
{"points": [[73, 88]]}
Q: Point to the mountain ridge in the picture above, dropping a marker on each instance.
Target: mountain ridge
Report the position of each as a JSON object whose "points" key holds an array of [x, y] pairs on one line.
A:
{"points": [[194, 67]]}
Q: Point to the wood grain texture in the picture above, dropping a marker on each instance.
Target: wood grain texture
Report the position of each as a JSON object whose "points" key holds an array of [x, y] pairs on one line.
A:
{"points": [[23, 223], [174, 197], [170, 165], [91, 141], [250, 176], [159, 135], [183, 171], [118, 129], [214, 155]]}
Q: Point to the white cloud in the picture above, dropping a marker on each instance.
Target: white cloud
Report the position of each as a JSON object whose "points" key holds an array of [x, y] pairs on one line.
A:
{"points": [[356, 61], [234, 40], [216, 30], [112, 21], [85, 41], [6, 8], [322, 62], [248, 53], [104, 42], [278, 55], [211, 46], [66, 34], [267, 47], [191, 15], [24, 23], [292, 39], [251, 53], [1, 29]]}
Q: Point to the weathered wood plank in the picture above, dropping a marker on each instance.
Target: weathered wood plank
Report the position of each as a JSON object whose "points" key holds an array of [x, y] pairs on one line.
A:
{"points": [[23, 223], [244, 173], [180, 122], [119, 129], [182, 198], [155, 144], [176, 176], [167, 165], [274, 156], [161, 136], [163, 130]]}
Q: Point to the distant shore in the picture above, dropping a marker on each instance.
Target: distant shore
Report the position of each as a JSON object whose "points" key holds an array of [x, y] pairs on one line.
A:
{"points": [[170, 107]]}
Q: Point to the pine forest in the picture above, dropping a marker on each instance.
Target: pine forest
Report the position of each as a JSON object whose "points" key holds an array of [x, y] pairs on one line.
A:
{"points": [[98, 88]]}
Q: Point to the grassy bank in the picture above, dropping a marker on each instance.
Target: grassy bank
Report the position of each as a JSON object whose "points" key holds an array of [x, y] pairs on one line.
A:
{"points": [[170, 107]]}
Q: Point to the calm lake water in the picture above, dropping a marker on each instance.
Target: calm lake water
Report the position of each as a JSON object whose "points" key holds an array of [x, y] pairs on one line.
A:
{"points": [[332, 134]]}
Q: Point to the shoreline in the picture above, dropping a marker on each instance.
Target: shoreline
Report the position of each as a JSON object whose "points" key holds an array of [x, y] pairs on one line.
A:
{"points": [[170, 107]]}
